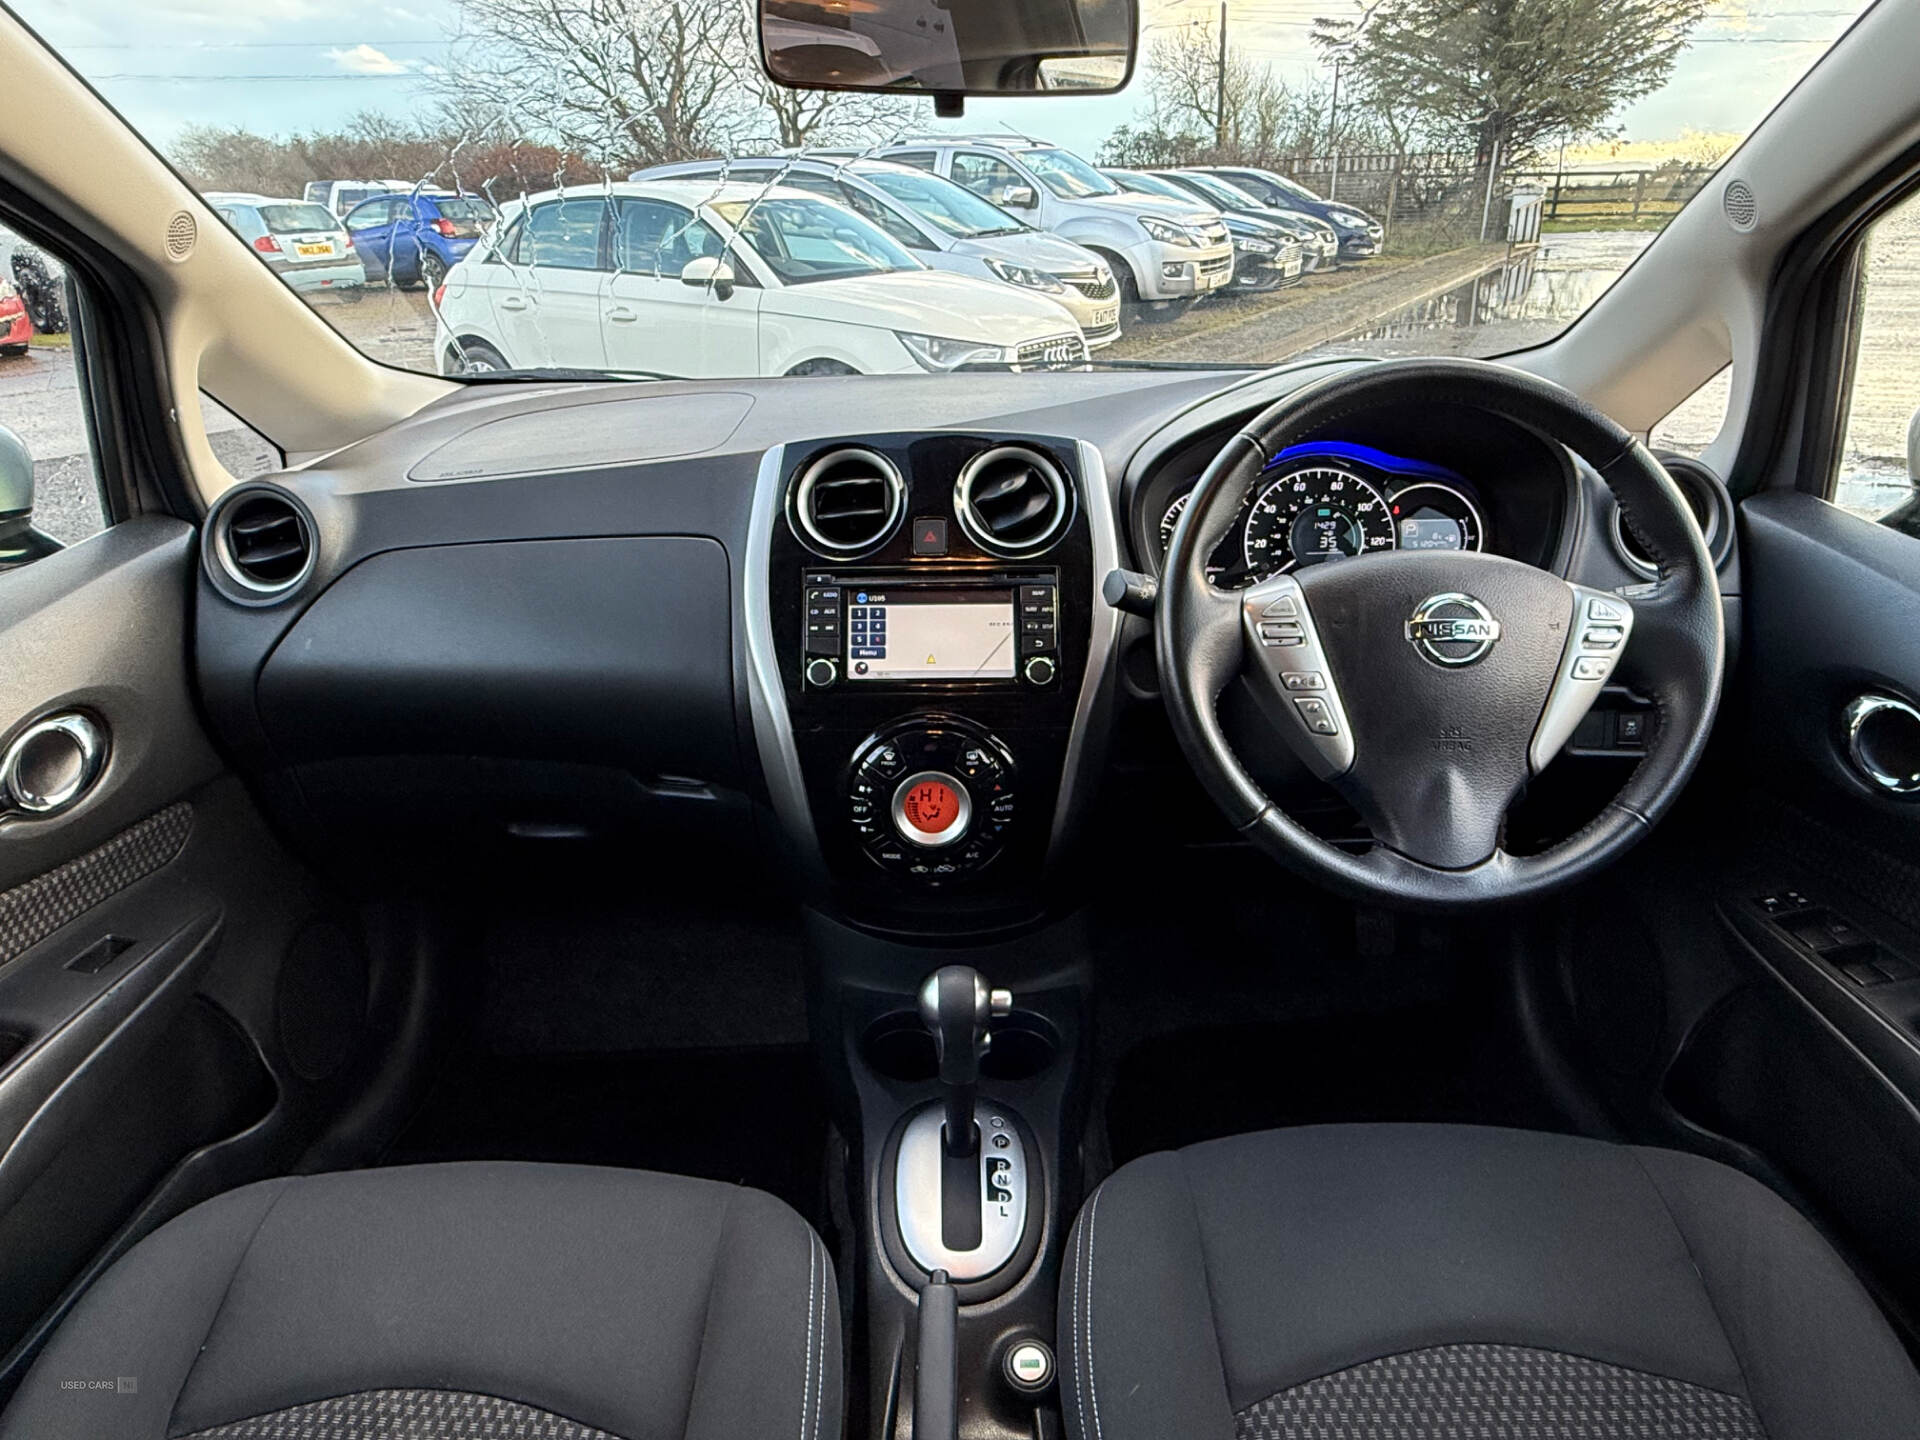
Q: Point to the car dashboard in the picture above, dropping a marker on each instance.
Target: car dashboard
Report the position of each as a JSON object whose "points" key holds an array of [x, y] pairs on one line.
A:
{"points": [[844, 636]]}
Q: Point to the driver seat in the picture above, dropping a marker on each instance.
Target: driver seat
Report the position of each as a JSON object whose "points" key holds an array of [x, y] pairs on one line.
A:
{"points": [[1382, 1282]]}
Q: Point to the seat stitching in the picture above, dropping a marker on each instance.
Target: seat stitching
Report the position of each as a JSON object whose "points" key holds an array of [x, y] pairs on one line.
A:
{"points": [[1093, 1386], [806, 1375], [820, 1374], [1706, 1288], [227, 1291], [1073, 1320], [1084, 1329]]}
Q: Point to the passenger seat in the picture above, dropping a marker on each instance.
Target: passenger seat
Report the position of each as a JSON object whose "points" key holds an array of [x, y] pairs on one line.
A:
{"points": [[454, 1302]]}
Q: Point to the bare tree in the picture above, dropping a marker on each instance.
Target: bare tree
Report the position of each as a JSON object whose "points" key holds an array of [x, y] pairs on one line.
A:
{"points": [[625, 82]]}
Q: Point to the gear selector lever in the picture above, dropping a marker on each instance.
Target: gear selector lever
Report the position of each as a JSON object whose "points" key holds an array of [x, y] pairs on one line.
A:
{"points": [[956, 1004]]}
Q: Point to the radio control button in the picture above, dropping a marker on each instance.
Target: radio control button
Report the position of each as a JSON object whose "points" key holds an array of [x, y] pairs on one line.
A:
{"points": [[822, 672], [1040, 670]]}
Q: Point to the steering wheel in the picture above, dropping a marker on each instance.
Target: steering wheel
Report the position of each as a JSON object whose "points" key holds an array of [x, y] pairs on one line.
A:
{"points": [[1428, 687]]}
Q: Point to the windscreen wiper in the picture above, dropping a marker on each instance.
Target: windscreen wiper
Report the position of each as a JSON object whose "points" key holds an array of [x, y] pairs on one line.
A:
{"points": [[561, 372]]}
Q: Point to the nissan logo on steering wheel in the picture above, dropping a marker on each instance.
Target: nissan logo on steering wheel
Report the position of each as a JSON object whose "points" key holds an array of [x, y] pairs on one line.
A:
{"points": [[1452, 629]]}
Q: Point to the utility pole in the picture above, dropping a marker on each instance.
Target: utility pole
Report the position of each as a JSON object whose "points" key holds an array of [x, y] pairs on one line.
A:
{"points": [[1333, 129], [1220, 92]]}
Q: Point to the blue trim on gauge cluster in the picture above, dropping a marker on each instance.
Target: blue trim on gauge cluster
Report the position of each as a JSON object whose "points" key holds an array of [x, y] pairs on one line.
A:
{"points": [[1366, 455]]}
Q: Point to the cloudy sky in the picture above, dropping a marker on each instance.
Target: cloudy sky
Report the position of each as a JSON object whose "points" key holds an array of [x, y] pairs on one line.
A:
{"points": [[287, 65]]}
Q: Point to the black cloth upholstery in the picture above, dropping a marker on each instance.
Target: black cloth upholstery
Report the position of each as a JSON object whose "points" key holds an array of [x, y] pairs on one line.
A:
{"points": [[650, 1307], [1203, 1287]]}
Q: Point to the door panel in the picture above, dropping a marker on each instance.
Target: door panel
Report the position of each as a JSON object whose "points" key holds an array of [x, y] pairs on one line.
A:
{"points": [[155, 1001]]}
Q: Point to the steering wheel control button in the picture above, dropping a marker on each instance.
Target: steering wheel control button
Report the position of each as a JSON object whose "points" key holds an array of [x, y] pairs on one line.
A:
{"points": [[1602, 625], [1283, 647], [1318, 717], [1028, 1366], [1453, 629]]}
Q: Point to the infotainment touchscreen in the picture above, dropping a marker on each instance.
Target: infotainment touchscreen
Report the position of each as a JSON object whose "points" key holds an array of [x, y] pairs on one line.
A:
{"points": [[930, 633]]}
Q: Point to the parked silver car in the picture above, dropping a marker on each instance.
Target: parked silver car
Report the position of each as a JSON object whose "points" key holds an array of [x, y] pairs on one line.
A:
{"points": [[304, 243], [945, 225]]}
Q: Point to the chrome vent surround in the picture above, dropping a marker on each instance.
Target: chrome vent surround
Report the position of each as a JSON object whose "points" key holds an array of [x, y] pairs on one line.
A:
{"points": [[1012, 500], [261, 542], [1712, 511], [1741, 205], [182, 232], [847, 501]]}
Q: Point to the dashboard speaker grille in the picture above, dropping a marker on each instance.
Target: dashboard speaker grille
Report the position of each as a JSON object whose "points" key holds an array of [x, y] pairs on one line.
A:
{"points": [[182, 232], [847, 501], [1742, 206], [1012, 500], [263, 542]]}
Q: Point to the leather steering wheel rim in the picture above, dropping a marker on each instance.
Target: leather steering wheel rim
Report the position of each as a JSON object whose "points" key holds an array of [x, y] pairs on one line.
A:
{"points": [[1675, 651]]}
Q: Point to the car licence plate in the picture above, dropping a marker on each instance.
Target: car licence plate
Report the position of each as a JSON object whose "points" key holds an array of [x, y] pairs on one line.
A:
{"points": [[1103, 318], [313, 249]]}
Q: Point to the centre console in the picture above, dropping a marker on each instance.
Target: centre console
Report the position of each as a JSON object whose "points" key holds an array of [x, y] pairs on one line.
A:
{"points": [[927, 649]]}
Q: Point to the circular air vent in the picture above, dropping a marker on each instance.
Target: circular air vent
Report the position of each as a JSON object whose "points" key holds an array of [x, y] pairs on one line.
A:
{"points": [[1706, 497], [262, 543], [182, 231], [1012, 500], [1742, 206], [847, 501]]}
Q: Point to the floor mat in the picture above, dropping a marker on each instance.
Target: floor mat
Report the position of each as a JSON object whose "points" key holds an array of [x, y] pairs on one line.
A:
{"points": [[1422, 1064], [749, 1116]]}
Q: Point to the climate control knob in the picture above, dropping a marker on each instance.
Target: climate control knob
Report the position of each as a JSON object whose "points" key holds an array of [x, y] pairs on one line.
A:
{"points": [[930, 798], [932, 809]]}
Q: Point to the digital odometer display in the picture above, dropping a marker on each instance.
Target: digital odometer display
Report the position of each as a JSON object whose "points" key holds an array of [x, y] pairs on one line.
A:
{"points": [[930, 634], [1314, 514]]}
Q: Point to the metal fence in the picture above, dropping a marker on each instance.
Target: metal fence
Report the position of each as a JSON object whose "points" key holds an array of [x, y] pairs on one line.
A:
{"points": [[1441, 198]]}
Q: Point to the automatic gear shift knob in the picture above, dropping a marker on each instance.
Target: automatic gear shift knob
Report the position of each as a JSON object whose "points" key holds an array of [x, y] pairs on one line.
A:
{"points": [[956, 1004]]}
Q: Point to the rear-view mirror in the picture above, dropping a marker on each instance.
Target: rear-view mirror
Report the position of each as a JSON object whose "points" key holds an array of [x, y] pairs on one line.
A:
{"points": [[976, 47]]}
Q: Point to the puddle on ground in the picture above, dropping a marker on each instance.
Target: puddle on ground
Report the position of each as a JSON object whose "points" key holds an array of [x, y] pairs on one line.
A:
{"points": [[1529, 299]]}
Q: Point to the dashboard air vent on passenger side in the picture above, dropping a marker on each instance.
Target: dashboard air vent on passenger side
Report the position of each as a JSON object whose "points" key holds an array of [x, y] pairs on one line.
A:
{"points": [[847, 502], [262, 542], [1012, 500]]}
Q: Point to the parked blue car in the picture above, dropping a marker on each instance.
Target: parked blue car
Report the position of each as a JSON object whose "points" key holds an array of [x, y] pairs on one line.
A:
{"points": [[1360, 234], [414, 239]]}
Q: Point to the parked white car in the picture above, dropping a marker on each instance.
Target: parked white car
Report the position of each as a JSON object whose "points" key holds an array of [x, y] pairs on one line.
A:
{"points": [[1166, 253], [687, 278], [946, 225]]}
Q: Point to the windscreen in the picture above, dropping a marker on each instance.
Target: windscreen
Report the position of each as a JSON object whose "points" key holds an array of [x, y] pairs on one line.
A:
{"points": [[1477, 173]]}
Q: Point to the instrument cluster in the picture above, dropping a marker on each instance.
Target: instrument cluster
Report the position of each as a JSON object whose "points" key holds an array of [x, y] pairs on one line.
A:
{"points": [[1330, 500]]}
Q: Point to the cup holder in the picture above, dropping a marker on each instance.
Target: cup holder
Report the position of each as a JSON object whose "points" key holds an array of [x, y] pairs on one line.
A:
{"points": [[899, 1047]]}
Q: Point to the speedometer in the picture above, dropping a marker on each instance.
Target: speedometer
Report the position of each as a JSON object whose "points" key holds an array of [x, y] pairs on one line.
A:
{"points": [[1316, 513]]}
